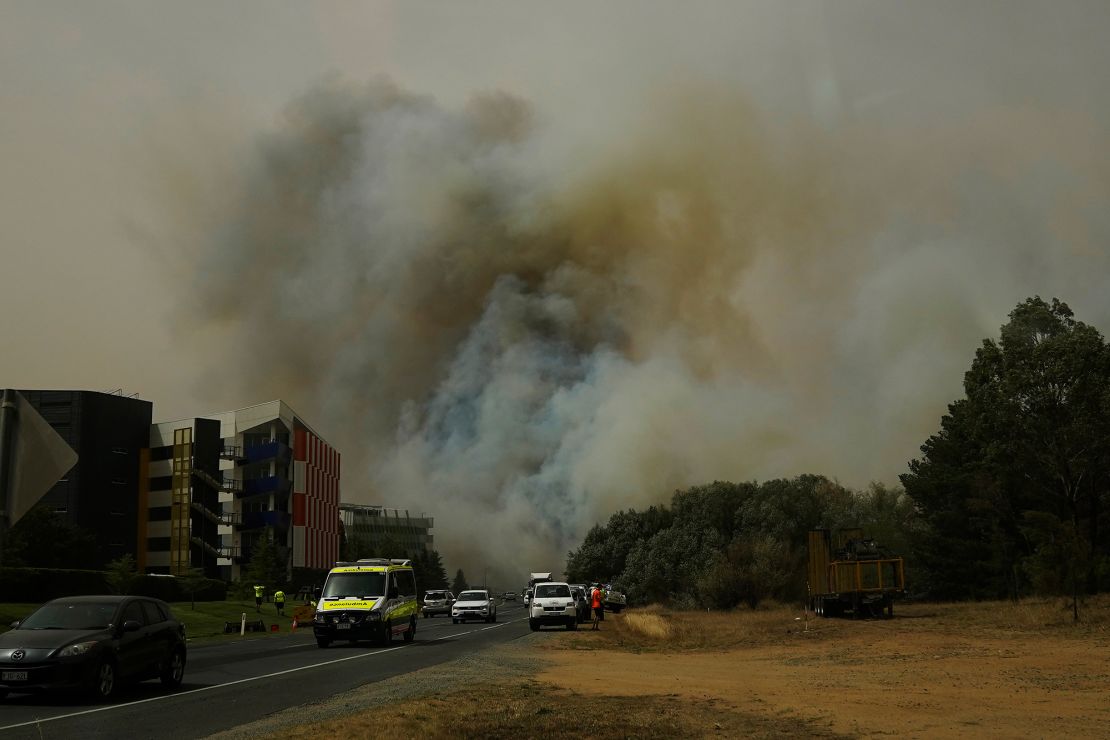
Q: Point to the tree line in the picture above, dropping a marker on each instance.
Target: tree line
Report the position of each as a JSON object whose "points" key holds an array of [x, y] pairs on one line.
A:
{"points": [[1008, 499]]}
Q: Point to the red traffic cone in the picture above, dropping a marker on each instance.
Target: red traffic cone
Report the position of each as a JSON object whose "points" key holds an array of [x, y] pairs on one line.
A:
{"points": [[294, 625]]}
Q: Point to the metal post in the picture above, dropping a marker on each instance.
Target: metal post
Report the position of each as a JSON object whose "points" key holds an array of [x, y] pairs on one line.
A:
{"points": [[9, 417]]}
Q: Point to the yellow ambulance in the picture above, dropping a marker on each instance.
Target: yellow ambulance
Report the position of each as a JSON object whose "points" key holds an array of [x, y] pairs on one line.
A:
{"points": [[370, 599]]}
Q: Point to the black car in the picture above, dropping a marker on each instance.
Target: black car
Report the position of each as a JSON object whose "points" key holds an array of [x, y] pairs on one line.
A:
{"points": [[93, 643]]}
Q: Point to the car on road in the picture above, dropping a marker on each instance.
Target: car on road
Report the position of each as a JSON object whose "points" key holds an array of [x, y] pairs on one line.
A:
{"points": [[368, 599], [474, 605], [581, 602], [509, 596], [552, 603], [93, 643], [437, 602]]}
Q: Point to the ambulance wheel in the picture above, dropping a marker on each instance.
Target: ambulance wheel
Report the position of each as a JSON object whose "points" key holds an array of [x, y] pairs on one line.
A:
{"points": [[411, 633], [387, 634]]}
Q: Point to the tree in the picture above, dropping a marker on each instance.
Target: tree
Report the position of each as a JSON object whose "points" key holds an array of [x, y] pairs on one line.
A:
{"points": [[121, 574], [604, 552], [43, 539], [1032, 437], [428, 569], [459, 584], [191, 581], [267, 565]]}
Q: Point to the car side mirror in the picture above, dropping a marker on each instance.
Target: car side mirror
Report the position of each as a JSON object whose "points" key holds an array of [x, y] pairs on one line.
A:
{"points": [[132, 625], [15, 625]]}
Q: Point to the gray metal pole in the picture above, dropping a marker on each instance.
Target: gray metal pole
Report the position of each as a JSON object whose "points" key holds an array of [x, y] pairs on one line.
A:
{"points": [[9, 418]]}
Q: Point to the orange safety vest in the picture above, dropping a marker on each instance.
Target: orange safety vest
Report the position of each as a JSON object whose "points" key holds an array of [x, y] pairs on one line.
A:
{"points": [[596, 604]]}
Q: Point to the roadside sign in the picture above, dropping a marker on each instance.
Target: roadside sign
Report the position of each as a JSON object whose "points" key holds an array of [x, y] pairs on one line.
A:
{"points": [[37, 459]]}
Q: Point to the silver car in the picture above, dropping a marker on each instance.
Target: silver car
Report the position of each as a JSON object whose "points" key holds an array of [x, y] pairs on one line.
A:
{"points": [[437, 602], [474, 605]]}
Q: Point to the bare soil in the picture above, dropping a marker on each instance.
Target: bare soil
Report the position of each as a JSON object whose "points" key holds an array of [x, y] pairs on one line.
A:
{"points": [[998, 670], [934, 671]]}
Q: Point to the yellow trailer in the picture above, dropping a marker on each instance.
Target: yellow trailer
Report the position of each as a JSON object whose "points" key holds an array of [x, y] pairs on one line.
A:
{"points": [[851, 574]]}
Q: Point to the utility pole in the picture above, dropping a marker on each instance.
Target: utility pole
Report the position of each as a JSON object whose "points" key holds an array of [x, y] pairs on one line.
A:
{"points": [[9, 417]]}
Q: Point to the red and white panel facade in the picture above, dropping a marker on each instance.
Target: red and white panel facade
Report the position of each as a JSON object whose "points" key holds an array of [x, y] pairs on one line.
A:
{"points": [[315, 501]]}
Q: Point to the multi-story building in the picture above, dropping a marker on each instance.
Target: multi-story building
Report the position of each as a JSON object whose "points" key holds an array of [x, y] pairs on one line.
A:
{"points": [[109, 432], [372, 526], [219, 483]]}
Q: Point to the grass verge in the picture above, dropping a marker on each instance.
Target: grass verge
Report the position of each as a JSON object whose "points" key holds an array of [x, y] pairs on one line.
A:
{"points": [[202, 624], [532, 709]]}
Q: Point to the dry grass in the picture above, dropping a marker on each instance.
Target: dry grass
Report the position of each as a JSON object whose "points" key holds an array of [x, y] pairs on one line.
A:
{"points": [[537, 710], [654, 628], [651, 626]]}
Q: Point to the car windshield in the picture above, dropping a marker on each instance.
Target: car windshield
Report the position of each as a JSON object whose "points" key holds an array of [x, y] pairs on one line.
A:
{"points": [[361, 585], [549, 591], [473, 596], [435, 595], [71, 616]]}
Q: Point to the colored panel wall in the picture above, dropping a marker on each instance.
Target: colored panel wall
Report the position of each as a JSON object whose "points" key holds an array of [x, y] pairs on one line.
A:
{"points": [[317, 486]]}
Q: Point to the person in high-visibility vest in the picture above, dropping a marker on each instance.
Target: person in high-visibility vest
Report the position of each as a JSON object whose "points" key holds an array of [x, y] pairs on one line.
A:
{"points": [[258, 591], [279, 602], [595, 604]]}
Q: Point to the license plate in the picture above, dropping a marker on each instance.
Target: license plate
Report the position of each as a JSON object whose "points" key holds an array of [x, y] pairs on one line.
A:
{"points": [[14, 676], [343, 626]]}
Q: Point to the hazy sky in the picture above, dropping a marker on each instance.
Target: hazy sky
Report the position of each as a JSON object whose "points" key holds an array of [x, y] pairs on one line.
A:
{"points": [[527, 263]]}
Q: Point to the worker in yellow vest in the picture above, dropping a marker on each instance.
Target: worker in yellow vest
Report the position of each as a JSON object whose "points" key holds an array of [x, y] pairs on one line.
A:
{"points": [[258, 591], [279, 602]]}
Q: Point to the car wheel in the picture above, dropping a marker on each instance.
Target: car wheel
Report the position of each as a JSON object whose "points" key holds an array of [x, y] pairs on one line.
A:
{"points": [[411, 631], [572, 624], [3, 694], [322, 642], [174, 671], [104, 680], [533, 625], [494, 618]]}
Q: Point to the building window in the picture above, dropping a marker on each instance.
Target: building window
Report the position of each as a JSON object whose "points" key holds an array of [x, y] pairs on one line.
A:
{"points": [[161, 453]]}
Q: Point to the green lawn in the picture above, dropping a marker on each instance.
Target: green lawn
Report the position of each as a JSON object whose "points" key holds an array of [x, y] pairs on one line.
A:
{"points": [[205, 623]]}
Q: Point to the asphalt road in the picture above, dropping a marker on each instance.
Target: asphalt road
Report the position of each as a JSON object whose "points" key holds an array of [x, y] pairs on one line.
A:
{"points": [[229, 684]]}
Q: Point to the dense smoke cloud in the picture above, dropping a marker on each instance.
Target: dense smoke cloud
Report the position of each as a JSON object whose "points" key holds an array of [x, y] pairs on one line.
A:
{"points": [[520, 332]]}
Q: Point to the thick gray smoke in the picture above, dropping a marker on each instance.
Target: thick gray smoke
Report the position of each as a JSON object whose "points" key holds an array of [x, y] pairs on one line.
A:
{"points": [[520, 332]]}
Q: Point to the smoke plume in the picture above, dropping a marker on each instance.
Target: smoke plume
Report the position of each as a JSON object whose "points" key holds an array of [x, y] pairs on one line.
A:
{"points": [[519, 331]]}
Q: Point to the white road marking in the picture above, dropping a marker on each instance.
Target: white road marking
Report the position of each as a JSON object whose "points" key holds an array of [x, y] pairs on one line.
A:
{"points": [[241, 680]]}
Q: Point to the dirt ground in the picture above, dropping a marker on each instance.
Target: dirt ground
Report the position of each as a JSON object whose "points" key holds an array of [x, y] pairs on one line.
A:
{"points": [[995, 670], [930, 672]]}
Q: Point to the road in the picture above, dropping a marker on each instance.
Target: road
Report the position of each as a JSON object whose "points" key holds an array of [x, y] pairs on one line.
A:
{"points": [[229, 684]]}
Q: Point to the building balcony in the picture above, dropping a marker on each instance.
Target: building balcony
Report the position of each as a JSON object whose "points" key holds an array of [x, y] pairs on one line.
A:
{"points": [[259, 519], [219, 551], [232, 452], [217, 517], [269, 484], [229, 485], [267, 451]]}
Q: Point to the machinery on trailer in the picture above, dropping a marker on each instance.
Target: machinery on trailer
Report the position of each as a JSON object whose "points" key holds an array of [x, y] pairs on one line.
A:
{"points": [[852, 574]]}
